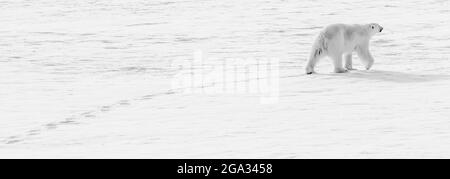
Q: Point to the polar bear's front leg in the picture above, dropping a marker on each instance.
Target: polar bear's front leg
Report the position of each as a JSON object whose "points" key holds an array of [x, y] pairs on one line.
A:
{"points": [[365, 56], [348, 62], [337, 61]]}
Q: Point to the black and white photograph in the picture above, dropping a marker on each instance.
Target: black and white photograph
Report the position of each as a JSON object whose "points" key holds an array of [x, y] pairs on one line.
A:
{"points": [[224, 79]]}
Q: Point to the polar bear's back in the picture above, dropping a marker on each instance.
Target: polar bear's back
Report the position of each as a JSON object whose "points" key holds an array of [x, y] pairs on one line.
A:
{"points": [[341, 37], [346, 31]]}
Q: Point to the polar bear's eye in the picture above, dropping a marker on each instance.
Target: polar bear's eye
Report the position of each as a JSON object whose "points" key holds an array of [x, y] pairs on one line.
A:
{"points": [[373, 27]]}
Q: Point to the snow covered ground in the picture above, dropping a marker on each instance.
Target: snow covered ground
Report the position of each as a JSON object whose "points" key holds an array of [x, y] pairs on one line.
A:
{"points": [[95, 79]]}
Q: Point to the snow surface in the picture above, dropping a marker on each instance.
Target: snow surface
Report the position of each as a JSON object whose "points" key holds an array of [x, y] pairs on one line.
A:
{"points": [[94, 79]]}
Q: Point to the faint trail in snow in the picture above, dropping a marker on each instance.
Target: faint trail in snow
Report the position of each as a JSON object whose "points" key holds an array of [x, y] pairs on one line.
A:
{"points": [[79, 118]]}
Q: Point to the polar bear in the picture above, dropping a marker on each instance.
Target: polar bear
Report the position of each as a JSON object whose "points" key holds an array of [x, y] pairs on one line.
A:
{"points": [[341, 39]]}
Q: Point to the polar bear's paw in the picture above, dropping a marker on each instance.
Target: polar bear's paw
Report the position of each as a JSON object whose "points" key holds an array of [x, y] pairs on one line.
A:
{"points": [[340, 70], [350, 68], [310, 71]]}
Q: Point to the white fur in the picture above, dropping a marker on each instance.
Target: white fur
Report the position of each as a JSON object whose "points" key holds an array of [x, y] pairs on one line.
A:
{"points": [[339, 40]]}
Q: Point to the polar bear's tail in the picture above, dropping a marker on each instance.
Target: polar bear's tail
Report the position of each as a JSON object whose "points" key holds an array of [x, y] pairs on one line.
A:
{"points": [[320, 46], [315, 53]]}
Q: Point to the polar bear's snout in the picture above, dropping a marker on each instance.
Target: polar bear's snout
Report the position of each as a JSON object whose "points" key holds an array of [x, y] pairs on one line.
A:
{"points": [[381, 29]]}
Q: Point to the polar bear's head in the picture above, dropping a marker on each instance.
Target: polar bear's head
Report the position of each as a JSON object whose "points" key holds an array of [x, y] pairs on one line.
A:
{"points": [[374, 28]]}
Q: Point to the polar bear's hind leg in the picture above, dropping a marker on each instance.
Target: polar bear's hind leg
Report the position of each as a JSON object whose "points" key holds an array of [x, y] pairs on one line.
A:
{"points": [[337, 62], [316, 54]]}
